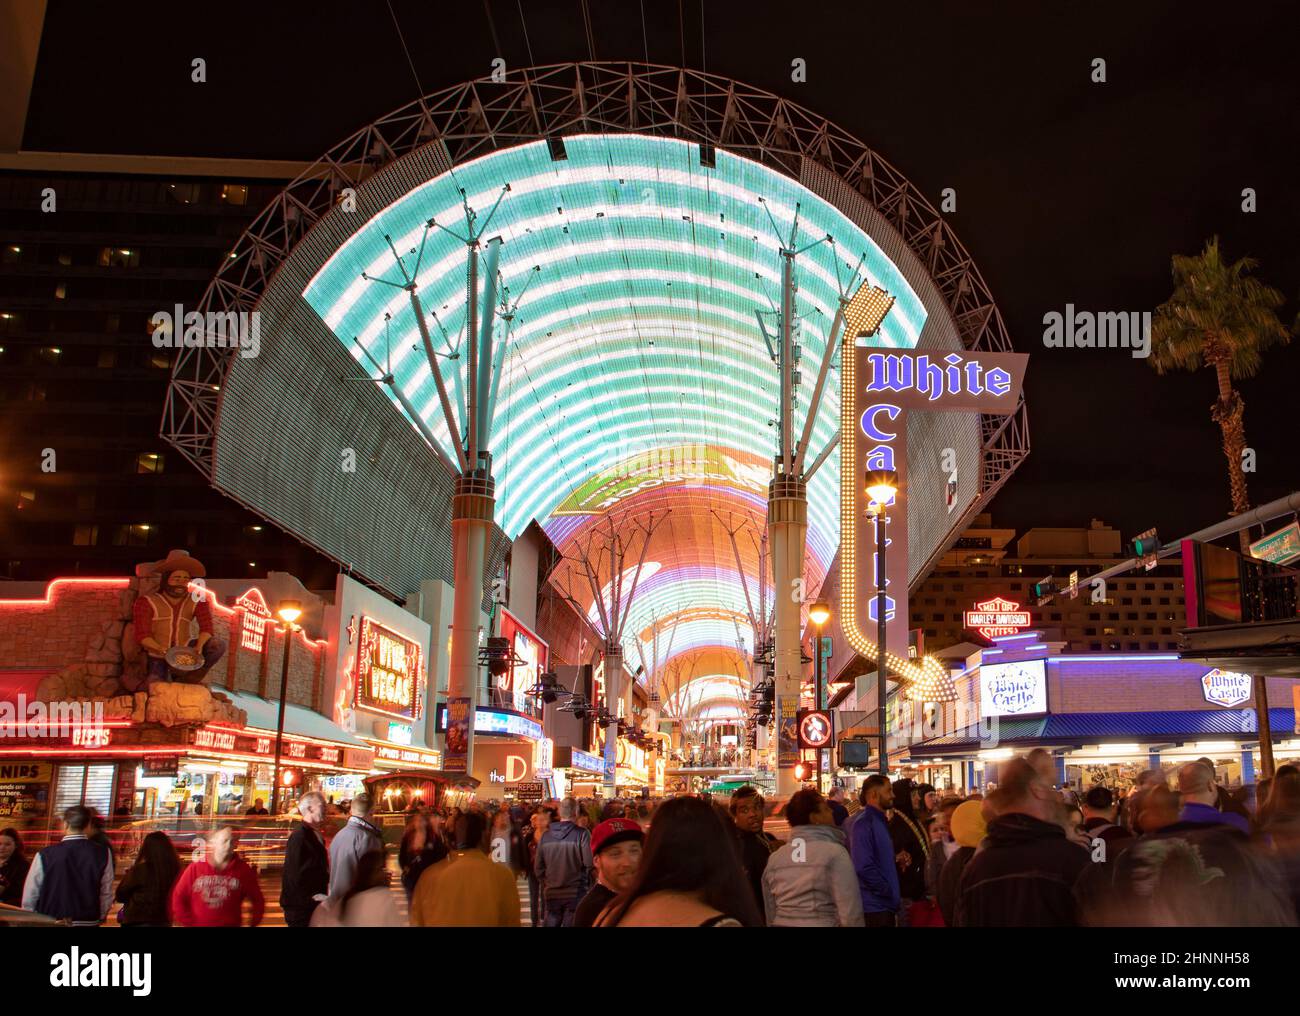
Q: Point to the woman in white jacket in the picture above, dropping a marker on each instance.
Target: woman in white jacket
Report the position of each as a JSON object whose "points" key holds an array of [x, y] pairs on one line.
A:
{"points": [[370, 904], [810, 881]]}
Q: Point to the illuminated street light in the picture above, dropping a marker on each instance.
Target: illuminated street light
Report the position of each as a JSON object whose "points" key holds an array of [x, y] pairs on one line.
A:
{"points": [[819, 613], [289, 611], [882, 485]]}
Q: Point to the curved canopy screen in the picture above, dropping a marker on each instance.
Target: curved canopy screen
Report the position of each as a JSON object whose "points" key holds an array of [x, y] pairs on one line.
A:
{"points": [[635, 379]]}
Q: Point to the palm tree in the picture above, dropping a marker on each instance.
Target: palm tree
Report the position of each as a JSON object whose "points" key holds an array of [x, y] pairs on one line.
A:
{"points": [[1219, 317]]}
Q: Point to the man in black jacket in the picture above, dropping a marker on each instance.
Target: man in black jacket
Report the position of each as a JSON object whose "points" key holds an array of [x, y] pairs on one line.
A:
{"points": [[306, 877], [1026, 872], [563, 866], [748, 810]]}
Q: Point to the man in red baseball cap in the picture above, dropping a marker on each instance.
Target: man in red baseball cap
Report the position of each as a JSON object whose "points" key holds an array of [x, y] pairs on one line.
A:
{"points": [[616, 855]]}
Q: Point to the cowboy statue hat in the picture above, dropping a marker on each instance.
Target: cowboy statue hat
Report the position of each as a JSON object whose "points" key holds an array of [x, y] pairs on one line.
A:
{"points": [[179, 560]]}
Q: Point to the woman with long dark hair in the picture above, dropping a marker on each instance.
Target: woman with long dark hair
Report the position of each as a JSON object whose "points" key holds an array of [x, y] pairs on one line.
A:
{"points": [[690, 874], [147, 888], [13, 867]]}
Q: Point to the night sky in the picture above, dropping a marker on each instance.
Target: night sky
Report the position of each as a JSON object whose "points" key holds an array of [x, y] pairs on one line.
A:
{"points": [[1067, 191]]}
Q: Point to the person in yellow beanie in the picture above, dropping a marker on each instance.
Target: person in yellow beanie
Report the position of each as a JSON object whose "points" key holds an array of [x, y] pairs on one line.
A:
{"points": [[968, 829]]}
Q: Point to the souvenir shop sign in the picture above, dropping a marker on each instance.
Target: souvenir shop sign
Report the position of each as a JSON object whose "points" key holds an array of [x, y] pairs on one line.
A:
{"points": [[233, 742]]}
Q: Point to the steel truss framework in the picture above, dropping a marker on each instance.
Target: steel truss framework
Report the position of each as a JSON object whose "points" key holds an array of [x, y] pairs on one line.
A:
{"points": [[549, 102]]}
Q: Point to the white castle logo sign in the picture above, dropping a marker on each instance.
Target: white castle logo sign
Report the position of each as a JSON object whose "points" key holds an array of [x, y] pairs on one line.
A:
{"points": [[1224, 688]]}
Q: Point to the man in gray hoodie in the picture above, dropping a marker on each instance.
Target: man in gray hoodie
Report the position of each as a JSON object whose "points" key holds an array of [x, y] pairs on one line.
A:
{"points": [[810, 881], [356, 839], [563, 866]]}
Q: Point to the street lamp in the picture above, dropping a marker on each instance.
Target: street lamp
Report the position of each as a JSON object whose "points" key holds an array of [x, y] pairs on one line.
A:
{"points": [[288, 611], [882, 485], [819, 613]]}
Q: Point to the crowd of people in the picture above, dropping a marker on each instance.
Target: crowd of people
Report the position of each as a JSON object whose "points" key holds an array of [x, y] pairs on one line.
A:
{"points": [[1176, 850]]}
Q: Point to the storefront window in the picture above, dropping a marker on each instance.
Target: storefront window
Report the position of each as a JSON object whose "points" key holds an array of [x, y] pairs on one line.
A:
{"points": [[91, 786]]}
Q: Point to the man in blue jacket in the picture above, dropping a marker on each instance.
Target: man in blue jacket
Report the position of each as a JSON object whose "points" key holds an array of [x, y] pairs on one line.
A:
{"points": [[872, 852], [73, 879]]}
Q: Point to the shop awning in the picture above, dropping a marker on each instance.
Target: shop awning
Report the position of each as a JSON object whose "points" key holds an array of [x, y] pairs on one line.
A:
{"points": [[1099, 728], [263, 714]]}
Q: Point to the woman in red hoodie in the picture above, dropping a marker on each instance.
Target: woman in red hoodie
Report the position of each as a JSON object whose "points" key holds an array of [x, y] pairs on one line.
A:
{"points": [[211, 893]]}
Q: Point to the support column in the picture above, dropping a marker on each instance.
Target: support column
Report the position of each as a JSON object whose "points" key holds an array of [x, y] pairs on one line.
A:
{"points": [[613, 692], [787, 526], [1264, 725], [471, 519]]}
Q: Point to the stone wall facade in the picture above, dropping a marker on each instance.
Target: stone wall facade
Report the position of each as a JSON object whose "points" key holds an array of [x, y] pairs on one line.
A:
{"points": [[82, 632]]}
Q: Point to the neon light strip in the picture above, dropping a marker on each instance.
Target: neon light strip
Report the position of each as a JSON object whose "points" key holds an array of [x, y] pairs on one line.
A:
{"points": [[89, 752], [108, 583], [1012, 638], [1101, 658]]}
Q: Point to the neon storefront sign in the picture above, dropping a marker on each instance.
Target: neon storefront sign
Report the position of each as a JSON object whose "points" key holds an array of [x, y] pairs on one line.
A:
{"points": [[389, 671], [880, 388], [1225, 688], [997, 617]]}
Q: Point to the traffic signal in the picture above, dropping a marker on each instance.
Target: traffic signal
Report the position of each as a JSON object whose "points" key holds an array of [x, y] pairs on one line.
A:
{"points": [[1146, 547], [803, 771], [1043, 590], [290, 777]]}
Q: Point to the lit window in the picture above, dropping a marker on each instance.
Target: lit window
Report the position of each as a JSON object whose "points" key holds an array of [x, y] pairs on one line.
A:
{"points": [[119, 257], [160, 358], [49, 354], [137, 535], [26, 498], [148, 462], [85, 536], [61, 291], [234, 193]]}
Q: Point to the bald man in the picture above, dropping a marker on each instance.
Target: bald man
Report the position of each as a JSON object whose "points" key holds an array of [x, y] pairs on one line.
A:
{"points": [[1200, 792]]}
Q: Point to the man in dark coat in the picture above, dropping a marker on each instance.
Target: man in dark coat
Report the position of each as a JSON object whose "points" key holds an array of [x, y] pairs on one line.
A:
{"points": [[756, 846], [305, 881], [1026, 872]]}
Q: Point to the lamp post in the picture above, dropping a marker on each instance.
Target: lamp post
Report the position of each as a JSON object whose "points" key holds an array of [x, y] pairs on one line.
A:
{"points": [[819, 613], [882, 485], [289, 611]]}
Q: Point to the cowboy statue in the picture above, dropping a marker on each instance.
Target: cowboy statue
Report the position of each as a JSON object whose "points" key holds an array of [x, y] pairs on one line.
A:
{"points": [[174, 625]]}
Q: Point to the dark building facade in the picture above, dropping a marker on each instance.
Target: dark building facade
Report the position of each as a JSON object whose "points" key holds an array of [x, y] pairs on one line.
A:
{"points": [[87, 487], [1142, 611]]}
